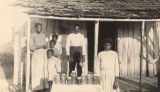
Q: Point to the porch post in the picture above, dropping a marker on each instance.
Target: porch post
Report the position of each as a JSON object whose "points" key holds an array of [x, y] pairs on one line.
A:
{"points": [[141, 55], [15, 74], [158, 72], [96, 41], [28, 57]]}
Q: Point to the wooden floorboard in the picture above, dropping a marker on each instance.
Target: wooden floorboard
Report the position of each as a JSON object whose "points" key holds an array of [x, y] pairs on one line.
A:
{"points": [[131, 84]]}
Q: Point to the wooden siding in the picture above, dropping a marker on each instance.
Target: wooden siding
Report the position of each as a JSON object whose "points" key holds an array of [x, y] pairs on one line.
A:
{"points": [[129, 35], [129, 48]]}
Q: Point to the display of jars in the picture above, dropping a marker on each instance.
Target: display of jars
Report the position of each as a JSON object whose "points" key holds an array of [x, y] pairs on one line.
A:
{"points": [[73, 79]]}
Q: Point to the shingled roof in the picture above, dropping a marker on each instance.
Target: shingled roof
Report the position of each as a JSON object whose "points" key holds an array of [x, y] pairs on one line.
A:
{"points": [[133, 9]]}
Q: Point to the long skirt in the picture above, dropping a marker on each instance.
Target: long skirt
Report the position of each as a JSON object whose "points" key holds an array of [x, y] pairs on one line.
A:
{"points": [[107, 81], [39, 71]]}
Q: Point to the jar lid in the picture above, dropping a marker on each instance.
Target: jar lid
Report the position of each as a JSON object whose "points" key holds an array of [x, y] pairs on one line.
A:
{"points": [[69, 78], [63, 74]]}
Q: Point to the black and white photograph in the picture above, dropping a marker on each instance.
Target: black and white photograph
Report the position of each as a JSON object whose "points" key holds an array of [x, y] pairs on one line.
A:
{"points": [[80, 46]]}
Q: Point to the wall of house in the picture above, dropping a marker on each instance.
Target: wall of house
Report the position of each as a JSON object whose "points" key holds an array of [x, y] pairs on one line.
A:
{"points": [[129, 48], [151, 46], [129, 42]]}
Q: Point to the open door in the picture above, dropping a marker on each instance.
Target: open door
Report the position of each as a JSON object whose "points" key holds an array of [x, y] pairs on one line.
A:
{"points": [[107, 29], [90, 35]]}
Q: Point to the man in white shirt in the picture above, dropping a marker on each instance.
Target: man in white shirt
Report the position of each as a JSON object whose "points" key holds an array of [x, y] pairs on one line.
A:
{"points": [[75, 50]]}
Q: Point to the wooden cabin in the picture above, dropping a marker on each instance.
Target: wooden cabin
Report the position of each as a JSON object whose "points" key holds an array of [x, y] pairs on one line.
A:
{"points": [[133, 25]]}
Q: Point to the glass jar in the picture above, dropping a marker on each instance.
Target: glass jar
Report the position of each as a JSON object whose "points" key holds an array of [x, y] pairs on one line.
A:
{"points": [[63, 79], [73, 77], [84, 80], [69, 80], [58, 80], [79, 80], [90, 79]]}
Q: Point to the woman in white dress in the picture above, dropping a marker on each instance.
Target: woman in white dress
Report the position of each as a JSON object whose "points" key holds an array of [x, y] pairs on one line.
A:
{"points": [[108, 67], [39, 72]]}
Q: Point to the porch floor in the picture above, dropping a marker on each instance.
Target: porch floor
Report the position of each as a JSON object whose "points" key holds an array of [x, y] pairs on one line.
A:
{"points": [[131, 84]]}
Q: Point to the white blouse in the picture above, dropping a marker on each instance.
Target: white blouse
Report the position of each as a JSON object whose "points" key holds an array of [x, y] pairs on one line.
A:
{"points": [[37, 40], [107, 61], [75, 40]]}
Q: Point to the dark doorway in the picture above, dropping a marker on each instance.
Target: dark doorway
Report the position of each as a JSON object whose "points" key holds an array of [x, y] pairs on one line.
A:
{"points": [[90, 35], [107, 29]]}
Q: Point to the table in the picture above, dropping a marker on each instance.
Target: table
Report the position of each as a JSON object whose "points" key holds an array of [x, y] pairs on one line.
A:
{"points": [[76, 88]]}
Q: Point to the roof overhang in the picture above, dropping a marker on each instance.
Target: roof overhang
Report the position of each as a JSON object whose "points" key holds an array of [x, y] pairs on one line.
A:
{"points": [[92, 19]]}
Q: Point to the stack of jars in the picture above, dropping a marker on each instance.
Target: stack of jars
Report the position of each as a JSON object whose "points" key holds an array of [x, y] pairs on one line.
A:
{"points": [[74, 80]]}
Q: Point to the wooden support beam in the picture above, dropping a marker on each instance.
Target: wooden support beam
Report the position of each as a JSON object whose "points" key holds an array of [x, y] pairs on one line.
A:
{"points": [[15, 75], [28, 56], [141, 55], [96, 40], [91, 19], [158, 31]]}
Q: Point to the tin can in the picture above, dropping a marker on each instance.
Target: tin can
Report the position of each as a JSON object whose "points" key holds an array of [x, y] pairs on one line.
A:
{"points": [[69, 80], [63, 79]]}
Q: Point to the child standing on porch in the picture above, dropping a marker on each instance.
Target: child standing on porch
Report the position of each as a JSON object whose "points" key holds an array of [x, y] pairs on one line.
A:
{"points": [[57, 47], [54, 66], [108, 67]]}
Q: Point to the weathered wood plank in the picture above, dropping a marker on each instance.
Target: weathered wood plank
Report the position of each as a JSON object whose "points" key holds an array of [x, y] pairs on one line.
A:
{"points": [[96, 41], [144, 62], [149, 31], [148, 83], [28, 56], [137, 31], [120, 49], [130, 53], [155, 46], [125, 47], [16, 58]]}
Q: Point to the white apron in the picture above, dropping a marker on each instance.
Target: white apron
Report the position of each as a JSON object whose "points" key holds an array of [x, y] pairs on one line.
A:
{"points": [[39, 71]]}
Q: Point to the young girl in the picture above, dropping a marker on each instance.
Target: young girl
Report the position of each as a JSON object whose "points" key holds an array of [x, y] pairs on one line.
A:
{"points": [[108, 67], [54, 66], [57, 46]]}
